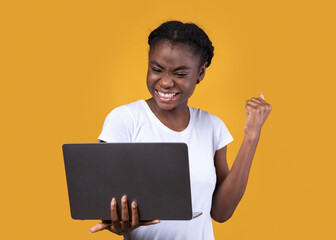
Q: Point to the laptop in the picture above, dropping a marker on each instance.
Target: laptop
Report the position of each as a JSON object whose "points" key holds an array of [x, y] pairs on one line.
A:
{"points": [[155, 175]]}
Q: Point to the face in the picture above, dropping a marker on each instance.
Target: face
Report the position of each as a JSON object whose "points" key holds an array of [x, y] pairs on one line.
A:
{"points": [[173, 72]]}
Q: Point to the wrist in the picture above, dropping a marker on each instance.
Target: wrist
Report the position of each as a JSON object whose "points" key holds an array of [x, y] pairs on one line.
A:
{"points": [[252, 136]]}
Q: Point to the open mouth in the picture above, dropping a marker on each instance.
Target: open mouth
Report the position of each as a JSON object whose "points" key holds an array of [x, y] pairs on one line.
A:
{"points": [[166, 96]]}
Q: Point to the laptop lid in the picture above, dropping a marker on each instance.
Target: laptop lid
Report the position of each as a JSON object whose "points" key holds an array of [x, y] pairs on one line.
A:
{"points": [[155, 175]]}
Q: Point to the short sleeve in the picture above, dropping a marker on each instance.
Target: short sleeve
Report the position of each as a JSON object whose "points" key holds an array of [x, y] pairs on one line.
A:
{"points": [[223, 136], [118, 126]]}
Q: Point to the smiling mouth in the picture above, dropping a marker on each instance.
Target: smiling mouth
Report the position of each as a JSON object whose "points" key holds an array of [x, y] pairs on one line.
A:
{"points": [[166, 95]]}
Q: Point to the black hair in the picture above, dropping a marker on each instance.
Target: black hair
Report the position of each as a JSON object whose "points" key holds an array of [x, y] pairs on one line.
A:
{"points": [[187, 33]]}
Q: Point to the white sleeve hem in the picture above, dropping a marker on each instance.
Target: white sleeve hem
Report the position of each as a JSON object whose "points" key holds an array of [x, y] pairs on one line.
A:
{"points": [[225, 142], [104, 138]]}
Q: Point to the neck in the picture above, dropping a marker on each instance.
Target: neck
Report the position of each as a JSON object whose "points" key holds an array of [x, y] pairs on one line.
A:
{"points": [[176, 119]]}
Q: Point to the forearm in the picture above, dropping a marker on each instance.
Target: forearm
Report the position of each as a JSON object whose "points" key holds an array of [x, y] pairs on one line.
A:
{"points": [[230, 191]]}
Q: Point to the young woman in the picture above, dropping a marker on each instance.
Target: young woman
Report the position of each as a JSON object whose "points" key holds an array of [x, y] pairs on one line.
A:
{"points": [[178, 57]]}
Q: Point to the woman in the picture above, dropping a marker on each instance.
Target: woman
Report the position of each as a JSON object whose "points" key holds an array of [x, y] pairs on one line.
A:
{"points": [[178, 57]]}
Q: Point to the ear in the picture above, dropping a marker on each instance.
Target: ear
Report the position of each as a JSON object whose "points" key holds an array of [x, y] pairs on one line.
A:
{"points": [[201, 72]]}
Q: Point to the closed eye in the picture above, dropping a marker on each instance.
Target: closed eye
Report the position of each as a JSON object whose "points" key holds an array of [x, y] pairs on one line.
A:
{"points": [[156, 70], [181, 75]]}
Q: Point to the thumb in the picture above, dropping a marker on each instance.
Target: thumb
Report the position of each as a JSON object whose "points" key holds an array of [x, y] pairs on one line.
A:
{"points": [[98, 227], [261, 96]]}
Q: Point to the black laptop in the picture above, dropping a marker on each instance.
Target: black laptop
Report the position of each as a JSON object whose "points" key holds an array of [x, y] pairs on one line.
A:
{"points": [[155, 175]]}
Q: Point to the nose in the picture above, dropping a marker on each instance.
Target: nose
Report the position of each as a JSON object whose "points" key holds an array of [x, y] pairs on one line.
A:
{"points": [[166, 81]]}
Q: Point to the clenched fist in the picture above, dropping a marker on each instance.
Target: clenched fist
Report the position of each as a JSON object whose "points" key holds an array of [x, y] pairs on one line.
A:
{"points": [[257, 111]]}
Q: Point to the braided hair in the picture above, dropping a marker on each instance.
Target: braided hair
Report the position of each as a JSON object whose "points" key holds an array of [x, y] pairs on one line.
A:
{"points": [[187, 33]]}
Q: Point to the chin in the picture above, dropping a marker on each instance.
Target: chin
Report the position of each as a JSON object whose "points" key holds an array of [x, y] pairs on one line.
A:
{"points": [[165, 106]]}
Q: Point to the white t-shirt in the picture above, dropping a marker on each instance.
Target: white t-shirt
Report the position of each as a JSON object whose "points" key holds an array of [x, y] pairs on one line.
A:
{"points": [[204, 135]]}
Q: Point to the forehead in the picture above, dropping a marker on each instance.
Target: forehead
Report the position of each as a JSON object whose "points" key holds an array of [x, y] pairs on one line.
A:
{"points": [[172, 55]]}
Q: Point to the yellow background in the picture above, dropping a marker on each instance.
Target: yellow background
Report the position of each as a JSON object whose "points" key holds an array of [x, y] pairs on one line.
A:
{"points": [[66, 64]]}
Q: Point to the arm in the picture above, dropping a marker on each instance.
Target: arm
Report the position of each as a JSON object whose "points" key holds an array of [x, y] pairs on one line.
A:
{"points": [[231, 184]]}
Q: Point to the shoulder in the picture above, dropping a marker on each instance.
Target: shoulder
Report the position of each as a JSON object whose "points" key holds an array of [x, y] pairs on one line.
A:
{"points": [[120, 123], [127, 110], [210, 125], [134, 105], [202, 116]]}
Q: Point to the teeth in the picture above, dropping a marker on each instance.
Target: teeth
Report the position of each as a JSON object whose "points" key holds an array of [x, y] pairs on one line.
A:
{"points": [[167, 95]]}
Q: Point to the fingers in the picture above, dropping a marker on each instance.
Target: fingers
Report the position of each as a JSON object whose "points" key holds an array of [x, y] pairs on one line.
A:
{"points": [[125, 214], [252, 103], [261, 96], [135, 216], [257, 111], [256, 102], [123, 226], [99, 227], [114, 216], [257, 108], [146, 223], [115, 225]]}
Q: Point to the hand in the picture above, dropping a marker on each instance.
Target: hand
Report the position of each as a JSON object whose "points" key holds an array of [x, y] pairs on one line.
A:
{"points": [[124, 226], [257, 111]]}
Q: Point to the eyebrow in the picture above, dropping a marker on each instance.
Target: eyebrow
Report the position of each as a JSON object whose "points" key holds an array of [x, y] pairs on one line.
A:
{"points": [[176, 69]]}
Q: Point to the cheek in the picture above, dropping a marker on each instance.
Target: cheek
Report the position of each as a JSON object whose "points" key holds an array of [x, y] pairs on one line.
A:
{"points": [[192, 89], [151, 80], [190, 83]]}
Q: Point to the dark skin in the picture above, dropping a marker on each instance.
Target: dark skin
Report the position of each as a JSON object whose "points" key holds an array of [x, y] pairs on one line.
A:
{"points": [[173, 72], [122, 225]]}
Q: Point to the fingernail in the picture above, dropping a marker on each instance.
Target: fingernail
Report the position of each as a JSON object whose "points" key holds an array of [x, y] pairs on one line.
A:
{"points": [[90, 232], [134, 204], [124, 198], [113, 202]]}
